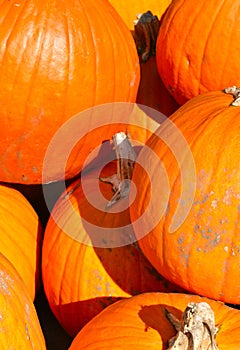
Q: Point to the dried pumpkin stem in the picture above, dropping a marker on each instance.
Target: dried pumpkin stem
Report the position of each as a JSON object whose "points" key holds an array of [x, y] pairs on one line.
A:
{"points": [[196, 330], [146, 28], [235, 92], [126, 158]]}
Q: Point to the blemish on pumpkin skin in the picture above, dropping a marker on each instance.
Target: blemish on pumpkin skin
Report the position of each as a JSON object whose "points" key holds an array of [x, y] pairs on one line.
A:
{"points": [[214, 204], [24, 178]]}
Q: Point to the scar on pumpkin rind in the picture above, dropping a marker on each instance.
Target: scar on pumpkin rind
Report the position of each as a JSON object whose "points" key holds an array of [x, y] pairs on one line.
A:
{"points": [[146, 28], [196, 330], [235, 92]]}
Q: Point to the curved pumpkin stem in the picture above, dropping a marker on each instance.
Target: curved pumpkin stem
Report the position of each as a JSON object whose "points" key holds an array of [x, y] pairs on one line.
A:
{"points": [[196, 330], [235, 92], [126, 158], [146, 28]]}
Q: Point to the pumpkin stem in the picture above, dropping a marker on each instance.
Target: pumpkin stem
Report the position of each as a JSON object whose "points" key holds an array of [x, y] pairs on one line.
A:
{"points": [[126, 158], [235, 92], [196, 330], [146, 28]]}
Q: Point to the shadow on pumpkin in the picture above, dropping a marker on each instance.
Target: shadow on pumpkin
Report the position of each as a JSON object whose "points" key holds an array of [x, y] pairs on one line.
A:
{"points": [[80, 313], [153, 316]]}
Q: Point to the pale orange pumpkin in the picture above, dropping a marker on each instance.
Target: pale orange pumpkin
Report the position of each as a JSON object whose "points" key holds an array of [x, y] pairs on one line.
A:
{"points": [[21, 236], [20, 327]]}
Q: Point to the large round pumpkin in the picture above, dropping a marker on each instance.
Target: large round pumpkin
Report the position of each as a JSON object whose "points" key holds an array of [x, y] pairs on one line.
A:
{"points": [[20, 327], [21, 236], [197, 47], [129, 10], [57, 59], [140, 323], [186, 209], [85, 267]]}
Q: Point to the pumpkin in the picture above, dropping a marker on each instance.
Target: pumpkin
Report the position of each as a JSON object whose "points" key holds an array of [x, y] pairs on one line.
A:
{"points": [[140, 322], [89, 258], [197, 47], [53, 59], [20, 327], [152, 92], [21, 236], [129, 10], [186, 210]]}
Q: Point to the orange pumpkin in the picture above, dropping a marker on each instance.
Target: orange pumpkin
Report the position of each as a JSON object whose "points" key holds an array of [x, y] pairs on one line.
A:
{"points": [[197, 47], [152, 92], [129, 10], [21, 236], [140, 323], [20, 327], [84, 267], [189, 226], [53, 59]]}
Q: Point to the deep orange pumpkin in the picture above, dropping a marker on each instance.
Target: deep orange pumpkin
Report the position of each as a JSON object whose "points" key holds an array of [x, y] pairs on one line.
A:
{"points": [[80, 279], [197, 47], [195, 241], [21, 236], [57, 59], [140, 323], [152, 92], [129, 10], [20, 327]]}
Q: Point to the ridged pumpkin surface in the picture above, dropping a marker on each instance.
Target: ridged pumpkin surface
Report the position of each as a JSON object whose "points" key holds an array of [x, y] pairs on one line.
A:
{"points": [[198, 47], [195, 239], [81, 279], [56, 60], [21, 236], [140, 323], [20, 327], [128, 10]]}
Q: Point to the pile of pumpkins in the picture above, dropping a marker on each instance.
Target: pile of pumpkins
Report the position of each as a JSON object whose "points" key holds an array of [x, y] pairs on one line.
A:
{"points": [[65, 66]]}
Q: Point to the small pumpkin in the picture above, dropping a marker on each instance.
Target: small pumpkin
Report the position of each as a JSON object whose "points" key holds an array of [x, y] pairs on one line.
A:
{"points": [[197, 47], [21, 236], [20, 327], [53, 59], [89, 258], [140, 322], [188, 197]]}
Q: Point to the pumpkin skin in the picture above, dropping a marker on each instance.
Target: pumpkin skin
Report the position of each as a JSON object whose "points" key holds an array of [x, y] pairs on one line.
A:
{"points": [[198, 247], [21, 236], [140, 322], [190, 57], [20, 327], [152, 92], [128, 10], [53, 66], [79, 279]]}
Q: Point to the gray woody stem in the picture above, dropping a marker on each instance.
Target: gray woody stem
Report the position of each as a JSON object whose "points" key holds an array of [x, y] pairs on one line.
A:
{"points": [[126, 158], [196, 330]]}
